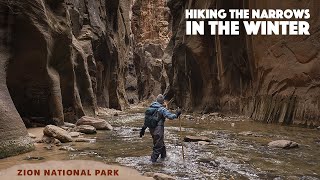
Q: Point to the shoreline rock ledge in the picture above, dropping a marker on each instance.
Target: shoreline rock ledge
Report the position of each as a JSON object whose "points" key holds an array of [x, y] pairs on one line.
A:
{"points": [[58, 133]]}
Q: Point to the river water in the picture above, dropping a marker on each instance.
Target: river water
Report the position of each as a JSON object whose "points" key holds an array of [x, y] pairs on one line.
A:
{"points": [[232, 154]]}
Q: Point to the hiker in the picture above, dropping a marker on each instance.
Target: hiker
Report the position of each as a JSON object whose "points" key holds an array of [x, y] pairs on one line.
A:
{"points": [[155, 117]]}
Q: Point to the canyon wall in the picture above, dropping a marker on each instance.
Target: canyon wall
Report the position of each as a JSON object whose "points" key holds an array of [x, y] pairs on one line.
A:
{"points": [[13, 134], [269, 78], [60, 60], [68, 57], [147, 76]]}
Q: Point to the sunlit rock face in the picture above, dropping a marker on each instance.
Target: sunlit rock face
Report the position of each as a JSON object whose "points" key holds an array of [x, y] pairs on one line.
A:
{"points": [[147, 75], [269, 78], [150, 22]]}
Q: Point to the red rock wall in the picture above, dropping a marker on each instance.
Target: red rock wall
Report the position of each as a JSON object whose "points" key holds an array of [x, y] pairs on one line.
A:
{"points": [[68, 57], [287, 71], [150, 22], [147, 76], [269, 78], [13, 134]]}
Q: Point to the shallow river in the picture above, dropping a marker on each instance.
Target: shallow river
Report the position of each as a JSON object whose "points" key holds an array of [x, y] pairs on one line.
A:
{"points": [[230, 155]]}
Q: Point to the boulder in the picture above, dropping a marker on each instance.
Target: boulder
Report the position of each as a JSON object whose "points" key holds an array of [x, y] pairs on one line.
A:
{"points": [[70, 125], [74, 134], [87, 129], [196, 139], [318, 128], [57, 132], [99, 124], [285, 144], [159, 176], [32, 135], [48, 140]]}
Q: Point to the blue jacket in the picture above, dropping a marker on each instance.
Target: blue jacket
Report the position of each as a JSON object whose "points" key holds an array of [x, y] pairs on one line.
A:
{"points": [[163, 111]]}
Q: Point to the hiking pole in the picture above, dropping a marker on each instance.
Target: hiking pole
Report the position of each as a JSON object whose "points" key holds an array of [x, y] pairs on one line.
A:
{"points": [[181, 139]]}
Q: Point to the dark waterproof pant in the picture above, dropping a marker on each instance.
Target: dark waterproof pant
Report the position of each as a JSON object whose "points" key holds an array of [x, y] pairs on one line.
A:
{"points": [[158, 143]]}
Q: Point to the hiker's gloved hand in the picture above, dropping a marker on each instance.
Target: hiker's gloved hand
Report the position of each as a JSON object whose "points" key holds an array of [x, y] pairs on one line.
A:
{"points": [[178, 112], [142, 131]]}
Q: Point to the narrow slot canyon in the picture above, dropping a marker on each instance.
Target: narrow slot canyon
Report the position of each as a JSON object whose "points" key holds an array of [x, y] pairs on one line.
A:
{"points": [[61, 60]]}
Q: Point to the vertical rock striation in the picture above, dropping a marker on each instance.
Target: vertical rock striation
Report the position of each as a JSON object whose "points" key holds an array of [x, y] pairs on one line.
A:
{"points": [[60, 60], [147, 75], [68, 57], [273, 79]]}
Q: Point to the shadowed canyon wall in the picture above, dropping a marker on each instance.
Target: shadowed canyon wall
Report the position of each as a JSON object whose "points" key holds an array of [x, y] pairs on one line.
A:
{"points": [[269, 78], [60, 60], [13, 134], [68, 57]]}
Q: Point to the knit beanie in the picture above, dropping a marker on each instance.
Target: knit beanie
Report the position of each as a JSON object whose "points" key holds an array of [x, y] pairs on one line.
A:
{"points": [[160, 99]]}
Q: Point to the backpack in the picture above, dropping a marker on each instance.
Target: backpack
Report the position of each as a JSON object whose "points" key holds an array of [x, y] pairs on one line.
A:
{"points": [[152, 117]]}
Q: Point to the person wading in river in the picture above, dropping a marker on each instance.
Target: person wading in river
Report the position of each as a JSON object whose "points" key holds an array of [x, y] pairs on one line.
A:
{"points": [[155, 117]]}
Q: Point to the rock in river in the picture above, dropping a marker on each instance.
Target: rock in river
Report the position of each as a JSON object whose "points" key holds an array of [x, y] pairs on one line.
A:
{"points": [[285, 144], [57, 132], [196, 139], [48, 140], [99, 124], [87, 129], [74, 134], [32, 135], [70, 125]]}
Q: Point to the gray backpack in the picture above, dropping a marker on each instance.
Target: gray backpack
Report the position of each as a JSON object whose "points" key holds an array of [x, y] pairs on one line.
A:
{"points": [[152, 117]]}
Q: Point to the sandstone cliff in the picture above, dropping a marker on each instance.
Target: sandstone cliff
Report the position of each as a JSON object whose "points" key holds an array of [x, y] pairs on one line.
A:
{"points": [[147, 76], [60, 60], [271, 79], [68, 57]]}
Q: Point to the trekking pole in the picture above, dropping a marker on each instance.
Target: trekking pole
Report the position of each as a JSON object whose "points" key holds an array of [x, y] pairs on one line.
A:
{"points": [[181, 138]]}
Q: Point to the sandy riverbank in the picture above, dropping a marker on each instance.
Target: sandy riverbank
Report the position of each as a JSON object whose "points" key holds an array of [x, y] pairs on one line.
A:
{"points": [[10, 167], [92, 170]]}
